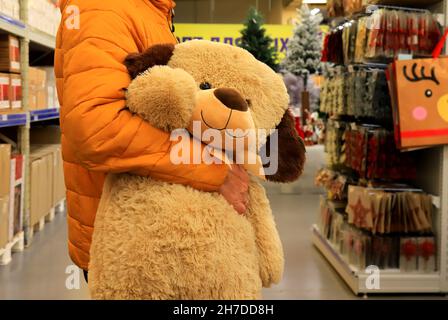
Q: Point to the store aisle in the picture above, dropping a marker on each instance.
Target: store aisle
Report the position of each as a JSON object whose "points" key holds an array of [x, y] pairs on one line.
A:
{"points": [[307, 274], [39, 272]]}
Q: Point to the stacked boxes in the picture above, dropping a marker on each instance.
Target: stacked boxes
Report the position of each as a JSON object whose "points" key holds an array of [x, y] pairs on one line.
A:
{"points": [[15, 92], [11, 194], [4, 91], [38, 92], [9, 54], [44, 15], [52, 93], [47, 181], [10, 8], [10, 78]]}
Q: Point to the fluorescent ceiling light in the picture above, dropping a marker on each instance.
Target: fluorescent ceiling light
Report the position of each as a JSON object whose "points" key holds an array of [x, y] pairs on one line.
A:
{"points": [[315, 1]]}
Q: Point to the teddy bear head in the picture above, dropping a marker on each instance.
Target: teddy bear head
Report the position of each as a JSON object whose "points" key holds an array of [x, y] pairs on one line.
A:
{"points": [[221, 87]]}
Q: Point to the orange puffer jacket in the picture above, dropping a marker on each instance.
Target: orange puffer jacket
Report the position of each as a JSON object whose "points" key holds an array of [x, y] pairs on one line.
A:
{"points": [[99, 134]]}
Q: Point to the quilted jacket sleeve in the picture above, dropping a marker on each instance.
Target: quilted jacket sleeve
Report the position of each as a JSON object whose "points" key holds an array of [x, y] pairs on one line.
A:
{"points": [[94, 118]]}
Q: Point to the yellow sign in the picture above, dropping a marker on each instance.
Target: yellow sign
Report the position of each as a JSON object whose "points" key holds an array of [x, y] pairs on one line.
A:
{"points": [[231, 33]]}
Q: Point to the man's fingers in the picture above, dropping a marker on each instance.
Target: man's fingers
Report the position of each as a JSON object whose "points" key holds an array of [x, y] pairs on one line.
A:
{"points": [[240, 208]]}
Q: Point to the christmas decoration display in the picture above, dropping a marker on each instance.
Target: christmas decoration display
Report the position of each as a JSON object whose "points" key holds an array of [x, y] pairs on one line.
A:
{"points": [[255, 40], [361, 248], [304, 53], [358, 91], [368, 151], [303, 56], [382, 35]]}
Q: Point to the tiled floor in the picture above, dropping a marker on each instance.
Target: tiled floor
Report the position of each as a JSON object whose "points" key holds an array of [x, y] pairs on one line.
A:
{"points": [[40, 271]]}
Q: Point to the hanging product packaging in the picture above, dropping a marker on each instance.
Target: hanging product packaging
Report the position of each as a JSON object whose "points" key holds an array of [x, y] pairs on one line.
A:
{"points": [[419, 92]]}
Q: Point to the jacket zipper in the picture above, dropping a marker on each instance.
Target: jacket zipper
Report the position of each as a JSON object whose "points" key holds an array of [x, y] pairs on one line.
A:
{"points": [[171, 24]]}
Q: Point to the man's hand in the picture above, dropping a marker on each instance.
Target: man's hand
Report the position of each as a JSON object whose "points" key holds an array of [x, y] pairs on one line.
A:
{"points": [[236, 188]]}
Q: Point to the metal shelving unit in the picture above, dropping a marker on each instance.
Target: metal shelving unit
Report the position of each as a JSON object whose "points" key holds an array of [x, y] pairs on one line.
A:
{"points": [[43, 115], [23, 120], [12, 26], [434, 168], [12, 120]]}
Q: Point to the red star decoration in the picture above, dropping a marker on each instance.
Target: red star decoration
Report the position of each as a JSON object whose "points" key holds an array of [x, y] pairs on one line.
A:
{"points": [[409, 249], [427, 249], [360, 213]]}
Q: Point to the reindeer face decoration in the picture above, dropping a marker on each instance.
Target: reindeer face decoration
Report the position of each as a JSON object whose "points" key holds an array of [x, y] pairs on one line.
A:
{"points": [[422, 99]]}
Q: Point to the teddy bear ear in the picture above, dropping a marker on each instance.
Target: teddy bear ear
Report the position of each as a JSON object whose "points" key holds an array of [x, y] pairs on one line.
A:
{"points": [[157, 55], [290, 151]]}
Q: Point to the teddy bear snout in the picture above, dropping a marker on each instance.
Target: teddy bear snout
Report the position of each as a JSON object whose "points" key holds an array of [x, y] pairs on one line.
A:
{"points": [[232, 99]]}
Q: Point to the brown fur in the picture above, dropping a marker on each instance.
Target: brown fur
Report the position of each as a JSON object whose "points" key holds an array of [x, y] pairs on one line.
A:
{"points": [[158, 55], [155, 240], [291, 151]]}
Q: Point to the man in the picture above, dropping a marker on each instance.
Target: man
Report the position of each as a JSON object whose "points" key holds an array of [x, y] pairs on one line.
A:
{"points": [[99, 134]]}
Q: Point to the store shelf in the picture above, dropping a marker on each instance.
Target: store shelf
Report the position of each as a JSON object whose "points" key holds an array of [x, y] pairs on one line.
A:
{"points": [[12, 26], [45, 114], [41, 38], [391, 281], [13, 119]]}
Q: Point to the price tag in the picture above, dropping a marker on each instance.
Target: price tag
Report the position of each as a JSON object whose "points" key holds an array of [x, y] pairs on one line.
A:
{"points": [[35, 118], [353, 126], [4, 117]]}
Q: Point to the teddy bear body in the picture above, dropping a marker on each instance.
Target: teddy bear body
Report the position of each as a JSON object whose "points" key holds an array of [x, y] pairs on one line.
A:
{"points": [[168, 241], [157, 240]]}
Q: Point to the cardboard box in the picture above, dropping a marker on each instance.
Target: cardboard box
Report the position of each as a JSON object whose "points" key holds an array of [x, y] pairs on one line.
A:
{"points": [[4, 221], [52, 98], [5, 169], [15, 91], [9, 54], [5, 182], [16, 195], [55, 184], [4, 91], [37, 91], [42, 102], [41, 172]]}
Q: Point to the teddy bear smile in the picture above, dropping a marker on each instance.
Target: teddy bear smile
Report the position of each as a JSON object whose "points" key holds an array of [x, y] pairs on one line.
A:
{"points": [[211, 127]]}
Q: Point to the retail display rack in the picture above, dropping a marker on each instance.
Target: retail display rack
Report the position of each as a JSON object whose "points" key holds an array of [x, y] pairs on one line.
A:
{"points": [[433, 164], [33, 43]]}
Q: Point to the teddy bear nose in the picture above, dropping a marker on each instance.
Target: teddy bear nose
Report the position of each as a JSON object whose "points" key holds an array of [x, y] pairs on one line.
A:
{"points": [[231, 99]]}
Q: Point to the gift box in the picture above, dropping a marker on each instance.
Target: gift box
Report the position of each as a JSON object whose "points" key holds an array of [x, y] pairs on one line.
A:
{"points": [[408, 254], [426, 255], [419, 92], [4, 91], [15, 91], [9, 54]]}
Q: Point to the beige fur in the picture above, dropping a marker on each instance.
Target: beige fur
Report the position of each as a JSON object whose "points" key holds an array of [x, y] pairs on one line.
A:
{"points": [[155, 240], [163, 96]]}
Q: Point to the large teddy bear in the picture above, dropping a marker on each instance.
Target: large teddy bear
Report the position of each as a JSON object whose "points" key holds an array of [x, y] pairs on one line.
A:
{"points": [[156, 240]]}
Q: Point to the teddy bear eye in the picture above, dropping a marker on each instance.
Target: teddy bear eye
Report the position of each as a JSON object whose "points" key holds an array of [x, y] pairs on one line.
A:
{"points": [[428, 93], [205, 86]]}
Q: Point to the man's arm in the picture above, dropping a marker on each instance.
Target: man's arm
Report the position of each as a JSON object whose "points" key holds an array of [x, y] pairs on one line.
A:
{"points": [[95, 120]]}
